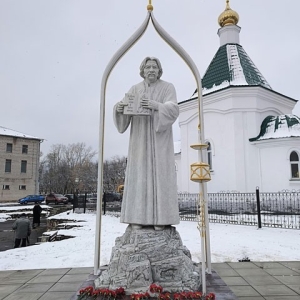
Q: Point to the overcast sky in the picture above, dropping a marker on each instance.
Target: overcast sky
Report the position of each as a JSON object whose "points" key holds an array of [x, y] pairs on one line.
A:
{"points": [[53, 54]]}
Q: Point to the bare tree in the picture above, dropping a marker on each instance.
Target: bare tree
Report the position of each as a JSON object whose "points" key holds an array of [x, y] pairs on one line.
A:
{"points": [[72, 168], [68, 169], [114, 173]]}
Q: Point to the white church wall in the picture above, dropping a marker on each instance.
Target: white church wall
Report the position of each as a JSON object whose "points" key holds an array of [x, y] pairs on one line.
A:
{"points": [[246, 156], [275, 170], [216, 127], [231, 117], [188, 130], [275, 165]]}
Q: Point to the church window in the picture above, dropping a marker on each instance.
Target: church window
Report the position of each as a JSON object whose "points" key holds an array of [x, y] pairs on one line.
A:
{"points": [[209, 155], [294, 160]]}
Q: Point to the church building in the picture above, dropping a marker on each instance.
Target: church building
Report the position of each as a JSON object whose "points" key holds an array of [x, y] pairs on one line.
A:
{"points": [[253, 137]]}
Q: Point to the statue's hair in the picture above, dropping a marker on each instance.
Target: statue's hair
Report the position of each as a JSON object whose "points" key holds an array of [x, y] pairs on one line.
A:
{"points": [[143, 64]]}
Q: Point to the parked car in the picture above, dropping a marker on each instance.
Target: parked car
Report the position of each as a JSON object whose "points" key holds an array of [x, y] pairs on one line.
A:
{"points": [[70, 197], [111, 196], [56, 199], [92, 198], [32, 199]]}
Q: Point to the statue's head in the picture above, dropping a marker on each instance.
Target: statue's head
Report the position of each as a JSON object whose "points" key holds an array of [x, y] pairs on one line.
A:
{"points": [[150, 60]]}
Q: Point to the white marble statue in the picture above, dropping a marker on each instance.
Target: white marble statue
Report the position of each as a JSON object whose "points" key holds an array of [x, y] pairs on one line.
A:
{"points": [[150, 192]]}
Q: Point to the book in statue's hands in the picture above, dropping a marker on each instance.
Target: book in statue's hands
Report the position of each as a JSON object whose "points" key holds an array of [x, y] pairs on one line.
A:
{"points": [[134, 107]]}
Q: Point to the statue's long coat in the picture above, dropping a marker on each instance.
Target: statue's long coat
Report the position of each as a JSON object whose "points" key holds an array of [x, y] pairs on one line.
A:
{"points": [[150, 192]]}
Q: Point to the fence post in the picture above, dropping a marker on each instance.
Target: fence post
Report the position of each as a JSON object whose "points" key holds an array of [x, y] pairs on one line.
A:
{"points": [[258, 207], [104, 203], [84, 203], [75, 201]]}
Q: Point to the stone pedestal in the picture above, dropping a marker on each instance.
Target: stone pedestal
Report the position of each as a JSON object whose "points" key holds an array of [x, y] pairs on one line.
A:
{"points": [[144, 256]]}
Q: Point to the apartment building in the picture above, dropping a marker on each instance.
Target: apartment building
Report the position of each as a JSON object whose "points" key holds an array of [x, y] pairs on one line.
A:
{"points": [[19, 164]]}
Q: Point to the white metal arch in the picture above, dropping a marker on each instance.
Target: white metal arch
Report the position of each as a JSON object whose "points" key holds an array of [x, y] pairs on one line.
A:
{"points": [[205, 247]]}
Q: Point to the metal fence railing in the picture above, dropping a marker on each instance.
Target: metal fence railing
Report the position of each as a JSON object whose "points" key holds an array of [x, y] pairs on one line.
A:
{"points": [[280, 209]]}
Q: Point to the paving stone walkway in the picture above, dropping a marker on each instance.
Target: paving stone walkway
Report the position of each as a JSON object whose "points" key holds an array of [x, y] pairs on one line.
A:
{"points": [[42, 284], [261, 280], [229, 281]]}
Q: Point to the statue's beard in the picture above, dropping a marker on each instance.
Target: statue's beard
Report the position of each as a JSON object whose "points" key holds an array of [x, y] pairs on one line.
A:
{"points": [[151, 79]]}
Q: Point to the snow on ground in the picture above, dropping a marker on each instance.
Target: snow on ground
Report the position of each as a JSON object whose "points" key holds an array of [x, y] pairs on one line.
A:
{"points": [[13, 210], [4, 217], [228, 243]]}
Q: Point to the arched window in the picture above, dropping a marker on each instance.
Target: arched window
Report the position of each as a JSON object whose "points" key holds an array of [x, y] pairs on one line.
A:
{"points": [[294, 160], [209, 155]]}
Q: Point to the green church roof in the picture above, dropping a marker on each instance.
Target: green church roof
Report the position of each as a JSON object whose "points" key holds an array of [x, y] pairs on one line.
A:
{"points": [[231, 66], [281, 126]]}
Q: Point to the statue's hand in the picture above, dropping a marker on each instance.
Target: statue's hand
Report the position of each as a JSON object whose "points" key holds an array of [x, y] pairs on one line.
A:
{"points": [[151, 104], [120, 107]]}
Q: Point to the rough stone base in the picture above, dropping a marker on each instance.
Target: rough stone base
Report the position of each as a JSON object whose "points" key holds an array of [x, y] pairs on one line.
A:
{"points": [[145, 256]]}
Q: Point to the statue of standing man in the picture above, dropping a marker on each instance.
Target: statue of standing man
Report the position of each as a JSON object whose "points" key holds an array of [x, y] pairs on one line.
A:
{"points": [[150, 191]]}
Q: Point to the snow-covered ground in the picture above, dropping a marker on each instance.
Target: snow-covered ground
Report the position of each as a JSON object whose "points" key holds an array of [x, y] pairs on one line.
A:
{"points": [[14, 210], [228, 243]]}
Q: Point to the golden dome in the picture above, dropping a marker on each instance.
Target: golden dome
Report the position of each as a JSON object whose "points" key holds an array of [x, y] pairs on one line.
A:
{"points": [[228, 16]]}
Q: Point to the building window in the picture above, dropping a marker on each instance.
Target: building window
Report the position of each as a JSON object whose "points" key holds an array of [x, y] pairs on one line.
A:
{"points": [[22, 187], [9, 148], [5, 187], [23, 166], [24, 149], [294, 160], [209, 155], [7, 165]]}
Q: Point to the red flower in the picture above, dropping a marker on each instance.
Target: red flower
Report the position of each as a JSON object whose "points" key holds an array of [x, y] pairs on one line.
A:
{"points": [[155, 288], [96, 293], [161, 297], [120, 291], [198, 295], [177, 296], [210, 296], [113, 294], [190, 295], [183, 295], [139, 296], [105, 292], [82, 291], [89, 290], [164, 296]]}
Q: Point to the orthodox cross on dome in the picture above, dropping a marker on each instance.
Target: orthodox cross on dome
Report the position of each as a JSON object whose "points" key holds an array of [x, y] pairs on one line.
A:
{"points": [[150, 6]]}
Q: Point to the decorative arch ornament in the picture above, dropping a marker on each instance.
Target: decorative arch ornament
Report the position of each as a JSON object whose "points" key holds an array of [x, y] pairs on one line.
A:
{"points": [[203, 225]]}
